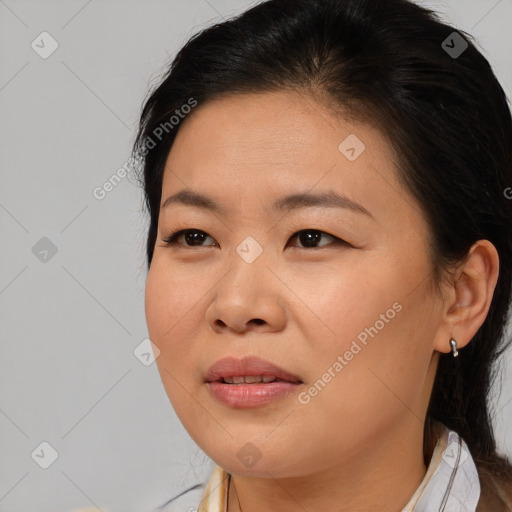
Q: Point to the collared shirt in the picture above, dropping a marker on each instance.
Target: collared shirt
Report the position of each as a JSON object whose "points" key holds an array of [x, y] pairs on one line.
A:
{"points": [[451, 483]]}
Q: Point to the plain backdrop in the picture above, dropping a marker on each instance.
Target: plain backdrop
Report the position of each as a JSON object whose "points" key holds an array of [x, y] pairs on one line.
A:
{"points": [[72, 369]]}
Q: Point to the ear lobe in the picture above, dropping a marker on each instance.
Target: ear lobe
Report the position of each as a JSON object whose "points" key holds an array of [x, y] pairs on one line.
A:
{"points": [[470, 296]]}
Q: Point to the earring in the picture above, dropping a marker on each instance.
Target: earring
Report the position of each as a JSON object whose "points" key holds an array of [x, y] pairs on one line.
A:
{"points": [[453, 344]]}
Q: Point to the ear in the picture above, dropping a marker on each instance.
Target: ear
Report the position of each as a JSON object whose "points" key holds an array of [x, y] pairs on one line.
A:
{"points": [[468, 298]]}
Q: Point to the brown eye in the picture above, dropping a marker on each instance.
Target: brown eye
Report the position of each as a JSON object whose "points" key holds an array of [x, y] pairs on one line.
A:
{"points": [[310, 237], [194, 237]]}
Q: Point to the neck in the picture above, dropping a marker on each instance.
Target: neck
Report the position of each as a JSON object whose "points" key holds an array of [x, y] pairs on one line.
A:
{"points": [[383, 477]]}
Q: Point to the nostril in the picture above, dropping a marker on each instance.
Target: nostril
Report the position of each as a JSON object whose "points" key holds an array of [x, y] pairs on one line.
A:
{"points": [[243, 327]]}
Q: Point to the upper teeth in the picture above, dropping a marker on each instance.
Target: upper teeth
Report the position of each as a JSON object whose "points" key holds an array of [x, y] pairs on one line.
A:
{"points": [[249, 379]]}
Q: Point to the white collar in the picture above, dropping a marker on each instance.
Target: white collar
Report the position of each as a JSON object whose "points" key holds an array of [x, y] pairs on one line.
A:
{"points": [[451, 483]]}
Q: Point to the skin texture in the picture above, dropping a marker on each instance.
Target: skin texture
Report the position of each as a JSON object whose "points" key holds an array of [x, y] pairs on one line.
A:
{"points": [[357, 444]]}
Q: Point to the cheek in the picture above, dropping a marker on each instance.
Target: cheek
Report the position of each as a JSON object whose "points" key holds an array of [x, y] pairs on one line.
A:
{"points": [[170, 297], [156, 304], [382, 332], [167, 320], [175, 307], [344, 305], [166, 309]]}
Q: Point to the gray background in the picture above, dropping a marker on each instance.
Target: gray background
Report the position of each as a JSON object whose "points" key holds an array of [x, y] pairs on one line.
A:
{"points": [[70, 321]]}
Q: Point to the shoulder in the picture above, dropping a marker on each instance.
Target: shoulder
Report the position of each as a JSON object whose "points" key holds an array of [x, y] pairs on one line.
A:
{"points": [[189, 496], [186, 500]]}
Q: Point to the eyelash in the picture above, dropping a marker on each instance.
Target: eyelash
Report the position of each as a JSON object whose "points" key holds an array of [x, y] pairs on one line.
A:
{"points": [[171, 240]]}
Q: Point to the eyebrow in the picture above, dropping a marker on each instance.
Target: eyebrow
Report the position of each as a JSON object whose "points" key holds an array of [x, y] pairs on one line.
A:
{"points": [[329, 199]]}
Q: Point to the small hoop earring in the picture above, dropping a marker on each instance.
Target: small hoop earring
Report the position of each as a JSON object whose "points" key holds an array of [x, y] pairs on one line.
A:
{"points": [[453, 344]]}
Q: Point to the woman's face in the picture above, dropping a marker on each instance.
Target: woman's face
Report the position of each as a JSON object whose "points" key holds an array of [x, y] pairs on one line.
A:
{"points": [[337, 295]]}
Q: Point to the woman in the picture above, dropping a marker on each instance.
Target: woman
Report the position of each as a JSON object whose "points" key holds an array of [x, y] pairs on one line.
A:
{"points": [[351, 374]]}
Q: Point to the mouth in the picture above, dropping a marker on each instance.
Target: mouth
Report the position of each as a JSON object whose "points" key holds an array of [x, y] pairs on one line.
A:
{"points": [[250, 382], [248, 370], [253, 379]]}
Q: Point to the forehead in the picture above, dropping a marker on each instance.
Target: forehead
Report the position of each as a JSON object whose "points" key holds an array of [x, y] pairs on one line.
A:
{"points": [[278, 128], [271, 144]]}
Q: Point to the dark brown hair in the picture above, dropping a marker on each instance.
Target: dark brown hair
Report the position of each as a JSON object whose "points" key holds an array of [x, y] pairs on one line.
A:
{"points": [[432, 93]]}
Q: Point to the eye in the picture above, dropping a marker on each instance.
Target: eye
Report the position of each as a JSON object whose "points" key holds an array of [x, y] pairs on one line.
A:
{"points": [[190, 235], [309, 237], [194, 237]]}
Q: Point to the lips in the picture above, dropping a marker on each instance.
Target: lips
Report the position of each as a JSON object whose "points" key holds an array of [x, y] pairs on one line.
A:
{"points": [[232, 371]]}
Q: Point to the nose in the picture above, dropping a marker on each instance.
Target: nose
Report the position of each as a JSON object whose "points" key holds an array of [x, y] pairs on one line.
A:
{"points": [[247, 298]]}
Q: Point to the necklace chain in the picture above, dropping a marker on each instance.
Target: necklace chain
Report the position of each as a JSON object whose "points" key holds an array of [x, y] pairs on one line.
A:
{"points": [[237, 498]]}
